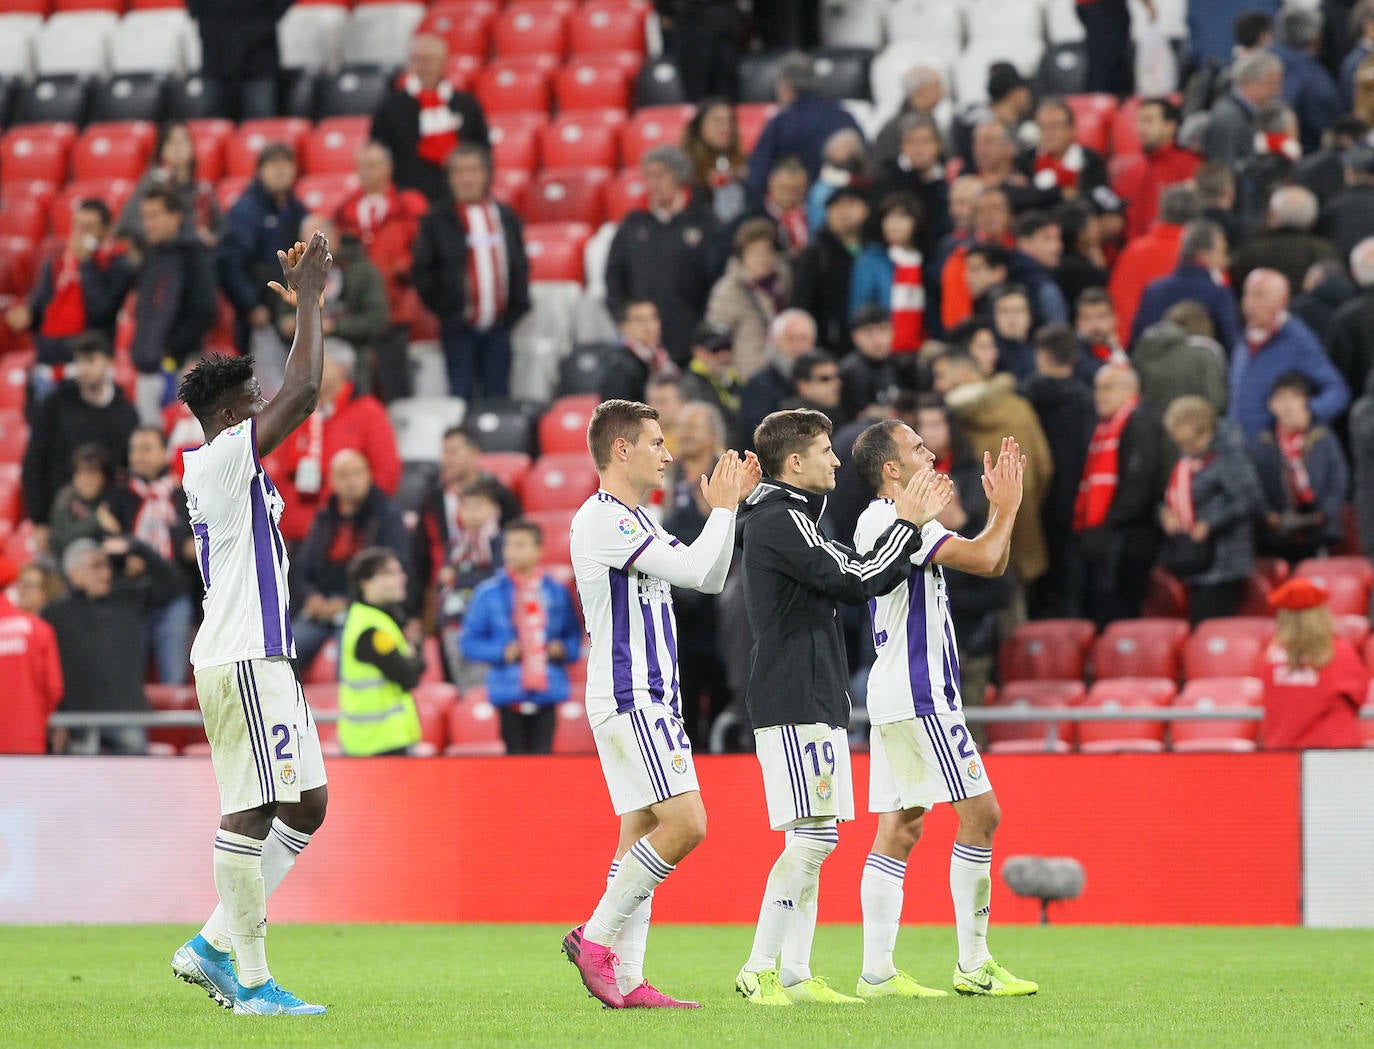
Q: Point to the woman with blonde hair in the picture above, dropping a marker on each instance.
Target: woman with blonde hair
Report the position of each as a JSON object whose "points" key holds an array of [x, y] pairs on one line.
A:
{"points": [[1314, 682]]}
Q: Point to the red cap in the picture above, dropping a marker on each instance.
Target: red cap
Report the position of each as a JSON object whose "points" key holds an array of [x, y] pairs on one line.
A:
{"points": [[1297, 594], [8, 572]]}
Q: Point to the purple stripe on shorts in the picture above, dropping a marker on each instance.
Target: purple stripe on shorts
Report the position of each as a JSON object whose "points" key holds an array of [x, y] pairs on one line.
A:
{"points": [[244, 699], [256, 721]]}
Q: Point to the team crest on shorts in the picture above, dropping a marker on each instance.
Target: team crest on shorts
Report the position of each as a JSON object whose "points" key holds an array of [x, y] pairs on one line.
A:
{"points": [[288, 774], [679, 764], [824, 788], [628, 527], [975, 770]]}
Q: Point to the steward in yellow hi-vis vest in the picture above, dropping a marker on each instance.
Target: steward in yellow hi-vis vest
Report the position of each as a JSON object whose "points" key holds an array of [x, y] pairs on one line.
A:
{"points": [[377, 668]]}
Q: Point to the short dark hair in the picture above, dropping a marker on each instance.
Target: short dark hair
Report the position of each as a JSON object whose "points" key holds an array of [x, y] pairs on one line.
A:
{"points": [[466, 432], [91, 342], [1250, 26], [785, 433], [805, 365], [903, 201], [995, 255], [365, 564], [1093, 296], [961, 335], [531, 528], [753, 230], [98, 206], [487, 488], [1059, 341], [96, 457], [156, 431], [1003, 291], [1198, 236], [788, 162], [1031, 223], [208, 387], [1168, 108], [1072, 217], [171, 199], [874, 447], [615, 420], [469, 149], [275, 151], [1060, 103], [623, 310], [1295, 381]]}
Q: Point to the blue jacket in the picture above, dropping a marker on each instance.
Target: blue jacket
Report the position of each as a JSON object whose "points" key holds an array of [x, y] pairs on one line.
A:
{"points": [[1311, 92], [1189, 281], [1047, 302], [255, 229], [1327, 472], [1292, 349], [871, 281], [1210, 32], [489, 627], [801, 128]]}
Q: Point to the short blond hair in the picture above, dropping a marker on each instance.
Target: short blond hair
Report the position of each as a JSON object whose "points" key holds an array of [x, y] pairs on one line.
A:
{"points": [[1306, 635], [1190, 410]]}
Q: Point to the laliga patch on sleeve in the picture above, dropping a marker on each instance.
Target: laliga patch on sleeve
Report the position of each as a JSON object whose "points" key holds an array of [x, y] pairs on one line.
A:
{"points": [[629, 527]]}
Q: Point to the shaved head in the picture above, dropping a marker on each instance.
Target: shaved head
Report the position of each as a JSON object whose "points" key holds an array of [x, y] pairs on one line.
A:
{"points": [[1265, 297]]}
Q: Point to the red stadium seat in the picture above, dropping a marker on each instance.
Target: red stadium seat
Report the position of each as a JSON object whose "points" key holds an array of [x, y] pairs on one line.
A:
{"points": [[324, 669], [114, 192], [1125, 171], [434, 660], [156, 5], [117, 6], [462, 71], [37, 152], [572, 733], [1046, 649], [508, 85], [1167, 597], [18, 270], [1092, 116], [14, 375], [210, 135], [1268, 573], [1033, 737], [324, 697], [554, 524], [466, 30], [563, 428], [568, 195], [1261, 628], [322, 194], [115, 150], [560, 482], [575, 140], [511, 187], [1354, 628], [1125, 737], [1348, 579], [510, 468], [434, 702], [515, 140], [474, 727], [242, 149], [24, 215], [230, 188], [653, 126], [1274, 569], [555, 250], [588, 83], [333, 145], [1220, 655], [625, 193], [1145, 648], [11, 493], [1125, 138], [752, 118], [21, 546], [174, 697], [1222, 734], [608, 25], [532, 28]]}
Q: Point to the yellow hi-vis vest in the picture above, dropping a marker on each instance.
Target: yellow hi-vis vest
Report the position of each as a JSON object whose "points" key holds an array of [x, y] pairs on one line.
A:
{"points": [[375, 715]]}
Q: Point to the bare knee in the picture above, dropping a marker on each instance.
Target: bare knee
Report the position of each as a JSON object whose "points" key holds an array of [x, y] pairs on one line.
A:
{"points": [[307, 815], [251, 823], [898, 833], [978, 820]]}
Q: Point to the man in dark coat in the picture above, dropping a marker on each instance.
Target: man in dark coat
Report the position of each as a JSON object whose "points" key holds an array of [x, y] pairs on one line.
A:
{"points": [[472, 233], [1350, 340], [1348, 217], [423, 118], [240, 62], [1201, 253], [800, 127], [820, 285]]}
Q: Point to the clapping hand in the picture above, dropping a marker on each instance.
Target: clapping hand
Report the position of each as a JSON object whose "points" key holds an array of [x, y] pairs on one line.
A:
{"points": [[722, 490], [926, 494], [1003, 480], [304, 269]]}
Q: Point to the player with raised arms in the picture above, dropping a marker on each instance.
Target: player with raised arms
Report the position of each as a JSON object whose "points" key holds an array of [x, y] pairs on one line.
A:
{"points": [[798, 698], [921, 752], [263, 740], [625, 565]]}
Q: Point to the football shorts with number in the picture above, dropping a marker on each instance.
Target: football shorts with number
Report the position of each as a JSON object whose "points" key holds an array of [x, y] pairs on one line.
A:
{"points": [[645, 757], [806, 773], [921, 761], [263, 740]]}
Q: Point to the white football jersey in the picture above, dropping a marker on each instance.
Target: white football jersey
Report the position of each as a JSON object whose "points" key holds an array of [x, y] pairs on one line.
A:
{"points": [[243, 563], [917, 670]]}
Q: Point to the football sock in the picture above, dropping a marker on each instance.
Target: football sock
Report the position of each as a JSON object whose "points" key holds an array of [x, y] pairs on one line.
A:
{"points": [[970, 884], [630, 945], [279, 853], [880, 892], [238, 880], [641, 870], [789, 900]]}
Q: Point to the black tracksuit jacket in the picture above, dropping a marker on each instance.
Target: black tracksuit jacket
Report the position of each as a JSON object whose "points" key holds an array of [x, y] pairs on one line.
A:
{"points": [[793, 579]]}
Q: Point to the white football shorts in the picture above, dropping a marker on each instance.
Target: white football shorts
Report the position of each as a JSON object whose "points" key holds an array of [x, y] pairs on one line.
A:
{"points": [[806, 773], [646, 758], [920, 761]]}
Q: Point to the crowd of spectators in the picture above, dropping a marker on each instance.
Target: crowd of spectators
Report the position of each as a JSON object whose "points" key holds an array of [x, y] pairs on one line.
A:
{"points": [[1182, 345]]}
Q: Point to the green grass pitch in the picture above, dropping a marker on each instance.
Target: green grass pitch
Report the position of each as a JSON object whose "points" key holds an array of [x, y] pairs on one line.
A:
{"points": [[489, 985]]}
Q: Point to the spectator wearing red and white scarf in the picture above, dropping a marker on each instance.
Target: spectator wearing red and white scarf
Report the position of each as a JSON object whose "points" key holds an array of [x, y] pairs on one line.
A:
{"points": [[522, 624], [423, 118], [891, 274], [1060, 167], [471, 271]]}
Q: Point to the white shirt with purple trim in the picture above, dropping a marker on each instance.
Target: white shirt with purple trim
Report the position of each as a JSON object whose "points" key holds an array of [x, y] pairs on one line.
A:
{"points": [[917, 670], [243, 562], [626, 565]]}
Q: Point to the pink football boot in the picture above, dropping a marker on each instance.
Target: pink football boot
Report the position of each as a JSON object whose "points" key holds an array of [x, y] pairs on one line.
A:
{"points": [[647, 996], [596, 964]]}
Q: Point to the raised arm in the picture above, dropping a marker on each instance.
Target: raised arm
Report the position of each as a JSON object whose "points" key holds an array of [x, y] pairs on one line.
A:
{"points": [[697, 566], [988, 553], [304, 269]]}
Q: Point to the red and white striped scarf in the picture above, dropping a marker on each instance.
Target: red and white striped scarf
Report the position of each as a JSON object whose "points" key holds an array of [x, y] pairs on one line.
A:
{"points": [[1051, 171], [793, 225], [1278, 142], [156, 515], [1102, 470], [1295, 476], [438, 124], [531, 630], [1178, 497], [488, 274], [908, 303]]}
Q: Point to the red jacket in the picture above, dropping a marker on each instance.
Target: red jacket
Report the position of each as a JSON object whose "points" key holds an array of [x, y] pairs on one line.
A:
{"points": [[32, 673], [1141, 261], [1306, 708], [360, 423], [1141, 188], [388, 244]]}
